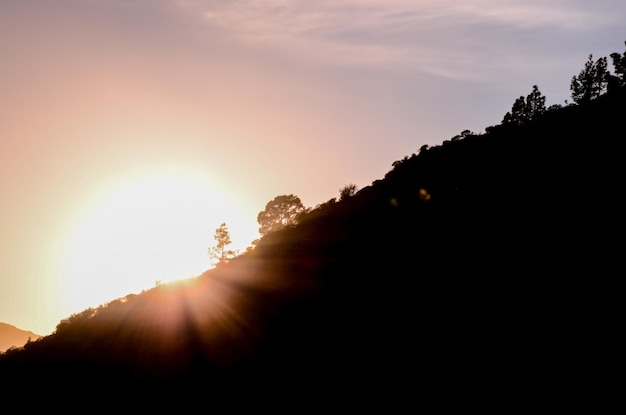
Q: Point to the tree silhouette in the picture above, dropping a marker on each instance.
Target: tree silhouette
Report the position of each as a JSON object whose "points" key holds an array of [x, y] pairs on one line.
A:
{"points": [[591, 82], [464, 134], [348, 191], [279, 212], [526, 109], [219, 252], [619, 65]]}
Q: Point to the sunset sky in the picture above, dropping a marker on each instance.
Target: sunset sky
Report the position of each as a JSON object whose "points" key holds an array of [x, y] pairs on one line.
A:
{"points": [[130, 129]]}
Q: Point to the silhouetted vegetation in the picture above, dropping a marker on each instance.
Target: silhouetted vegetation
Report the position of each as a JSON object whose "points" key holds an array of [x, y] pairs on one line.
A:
{"points": [[526, 109], [475, 272], [347, 191], [591, 82], [619, 66], [219, 253], [283, 210]]}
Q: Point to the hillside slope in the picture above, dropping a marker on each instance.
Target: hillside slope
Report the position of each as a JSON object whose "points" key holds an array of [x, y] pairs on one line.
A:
{"points": [[475, 272]]}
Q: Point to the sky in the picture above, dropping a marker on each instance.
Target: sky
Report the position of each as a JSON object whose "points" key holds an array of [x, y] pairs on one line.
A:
{"points": [[131, 129]]}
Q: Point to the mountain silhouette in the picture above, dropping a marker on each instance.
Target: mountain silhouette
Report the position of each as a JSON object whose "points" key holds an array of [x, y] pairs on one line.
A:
{"points": [[480, 272], [11, 336]]}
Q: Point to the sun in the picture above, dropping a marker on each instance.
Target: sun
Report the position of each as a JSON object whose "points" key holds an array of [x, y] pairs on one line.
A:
{"points": [[153, 228]]}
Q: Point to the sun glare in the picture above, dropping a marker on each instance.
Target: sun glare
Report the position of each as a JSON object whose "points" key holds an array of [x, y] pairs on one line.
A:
{"points": [[153, 228]]}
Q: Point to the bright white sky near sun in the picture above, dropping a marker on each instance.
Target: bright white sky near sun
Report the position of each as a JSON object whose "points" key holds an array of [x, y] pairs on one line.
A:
{"points": [[129, 130]]}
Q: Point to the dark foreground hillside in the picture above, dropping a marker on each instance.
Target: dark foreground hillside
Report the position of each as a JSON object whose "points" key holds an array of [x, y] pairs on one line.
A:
{"points": [[476, 274]]}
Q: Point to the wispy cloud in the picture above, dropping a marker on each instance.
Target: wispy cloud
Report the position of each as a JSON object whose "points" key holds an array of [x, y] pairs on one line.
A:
{"points": [[442, 37]]}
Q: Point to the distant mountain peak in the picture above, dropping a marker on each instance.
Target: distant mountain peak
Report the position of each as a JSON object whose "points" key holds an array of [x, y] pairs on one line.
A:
{"points": [[11, 336]]}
